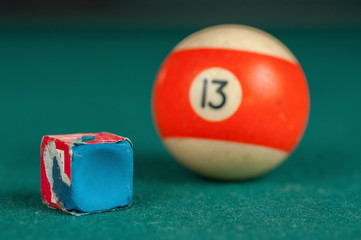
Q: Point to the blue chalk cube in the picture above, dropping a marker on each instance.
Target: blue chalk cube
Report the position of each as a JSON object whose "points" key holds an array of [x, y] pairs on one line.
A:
{"points": [[101, 178]]}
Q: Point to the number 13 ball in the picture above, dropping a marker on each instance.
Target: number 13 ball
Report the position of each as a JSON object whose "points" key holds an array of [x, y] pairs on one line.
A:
{"points": [[230, 102]]}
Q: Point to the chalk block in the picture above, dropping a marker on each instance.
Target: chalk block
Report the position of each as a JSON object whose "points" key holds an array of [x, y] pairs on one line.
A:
{"points": [[86, 172]]}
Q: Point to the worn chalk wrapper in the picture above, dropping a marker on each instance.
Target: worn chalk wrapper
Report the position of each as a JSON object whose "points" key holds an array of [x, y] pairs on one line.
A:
{"points": [[86, 172]]}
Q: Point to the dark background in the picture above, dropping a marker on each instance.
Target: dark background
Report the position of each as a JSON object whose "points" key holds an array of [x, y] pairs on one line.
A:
{"points": [[89, 66], [184, 13]]}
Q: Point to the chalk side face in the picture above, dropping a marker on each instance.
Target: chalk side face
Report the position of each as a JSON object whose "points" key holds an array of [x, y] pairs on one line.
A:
{"points": [[230, 102], [86, 173]]}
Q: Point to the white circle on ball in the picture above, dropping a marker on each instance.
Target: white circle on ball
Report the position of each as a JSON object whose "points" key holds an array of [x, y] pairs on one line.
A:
{"points": [[215, 94]]}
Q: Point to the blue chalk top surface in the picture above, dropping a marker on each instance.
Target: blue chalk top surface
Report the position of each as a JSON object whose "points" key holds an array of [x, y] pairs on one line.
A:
{"points": [[102, 177]]}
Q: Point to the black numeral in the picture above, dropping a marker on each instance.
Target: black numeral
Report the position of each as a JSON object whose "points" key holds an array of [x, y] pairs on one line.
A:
{"points": [[222, 84]]}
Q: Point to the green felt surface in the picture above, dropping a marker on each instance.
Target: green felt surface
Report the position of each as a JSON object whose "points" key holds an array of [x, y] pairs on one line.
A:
{"points": [[46, 75]]}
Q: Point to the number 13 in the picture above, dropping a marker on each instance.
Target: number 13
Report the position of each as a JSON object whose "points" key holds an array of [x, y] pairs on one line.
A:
{"points": [[222, 84]]}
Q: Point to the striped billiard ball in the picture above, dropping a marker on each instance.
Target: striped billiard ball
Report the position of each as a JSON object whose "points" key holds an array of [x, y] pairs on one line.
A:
{"points": [[230, 102]]}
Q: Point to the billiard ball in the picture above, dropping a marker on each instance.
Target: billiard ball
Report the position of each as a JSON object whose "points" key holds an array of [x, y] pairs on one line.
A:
{"points": [[230, 102]]}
